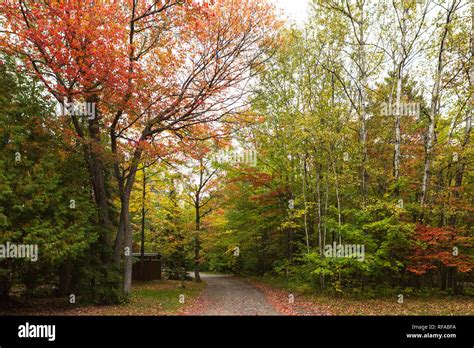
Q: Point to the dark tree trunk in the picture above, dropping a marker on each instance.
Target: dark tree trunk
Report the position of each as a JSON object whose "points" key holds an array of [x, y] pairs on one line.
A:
{"points": [[5, 286], [443, 278], [97, 171], [65, 278], [119, 239], [197, 248]]}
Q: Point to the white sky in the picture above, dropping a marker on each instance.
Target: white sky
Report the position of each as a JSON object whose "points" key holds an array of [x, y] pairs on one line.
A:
{"points": [[295, 10]]}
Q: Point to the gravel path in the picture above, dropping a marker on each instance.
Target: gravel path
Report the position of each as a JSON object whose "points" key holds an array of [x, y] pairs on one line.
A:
{"points": [[226, 295]]}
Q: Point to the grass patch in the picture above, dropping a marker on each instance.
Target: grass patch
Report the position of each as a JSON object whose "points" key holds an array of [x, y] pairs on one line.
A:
{"points": [[163, 296], [159, 297], [413, 304]]}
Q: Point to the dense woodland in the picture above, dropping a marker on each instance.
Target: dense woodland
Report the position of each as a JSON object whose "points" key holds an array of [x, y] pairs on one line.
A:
{"points": [[359, 123]]}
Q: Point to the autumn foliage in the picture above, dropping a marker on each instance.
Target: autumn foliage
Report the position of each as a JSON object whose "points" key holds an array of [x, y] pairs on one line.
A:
{"points": [[176, 81], [162, 75], [439, 246]]}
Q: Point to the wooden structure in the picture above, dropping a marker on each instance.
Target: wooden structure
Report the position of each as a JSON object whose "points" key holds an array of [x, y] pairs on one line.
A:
{"points": [[151, 267]]}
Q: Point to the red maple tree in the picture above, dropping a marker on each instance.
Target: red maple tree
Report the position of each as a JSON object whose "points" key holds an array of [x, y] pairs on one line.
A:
{"points": [[439, 246]]}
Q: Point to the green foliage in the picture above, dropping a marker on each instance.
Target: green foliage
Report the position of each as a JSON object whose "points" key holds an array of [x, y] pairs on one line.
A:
{"points": [[310, 152], [99, 284], [45, 198]]}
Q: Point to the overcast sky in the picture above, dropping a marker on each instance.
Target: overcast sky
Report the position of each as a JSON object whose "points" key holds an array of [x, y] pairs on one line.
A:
{"points": [[296, 10]]}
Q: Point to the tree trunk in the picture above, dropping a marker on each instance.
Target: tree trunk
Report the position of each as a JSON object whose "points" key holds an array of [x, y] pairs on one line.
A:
{"points": [[197, 248], [127, 225], [470, 106], [363, 102], [5, 285], [142, 246], [128, 239], [65, 278], [197, 244], [338, 200], [398, 115], [320, 236], [97, 174], [305, 209], [461, 165], [434, 108], [119, 239], [398, 137]]}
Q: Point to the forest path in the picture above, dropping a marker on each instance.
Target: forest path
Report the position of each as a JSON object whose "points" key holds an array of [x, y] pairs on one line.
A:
{"points": [[227, 295]]}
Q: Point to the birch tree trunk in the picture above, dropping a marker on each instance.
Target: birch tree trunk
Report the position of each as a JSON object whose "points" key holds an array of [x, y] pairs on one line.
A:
{"points": [[363, 100], [305, 209], [434, 107], [400, 71]]}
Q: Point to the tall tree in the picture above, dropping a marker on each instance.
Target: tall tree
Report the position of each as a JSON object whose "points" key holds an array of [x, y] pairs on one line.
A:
{"points": [[436, 96], [175, 67]]}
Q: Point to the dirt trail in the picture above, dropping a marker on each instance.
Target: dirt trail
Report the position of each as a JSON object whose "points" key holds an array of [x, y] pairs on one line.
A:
{"points": [[226, 295]]}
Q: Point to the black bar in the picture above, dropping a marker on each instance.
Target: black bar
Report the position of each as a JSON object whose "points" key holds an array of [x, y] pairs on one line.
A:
{"points": [[162, 331]]}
